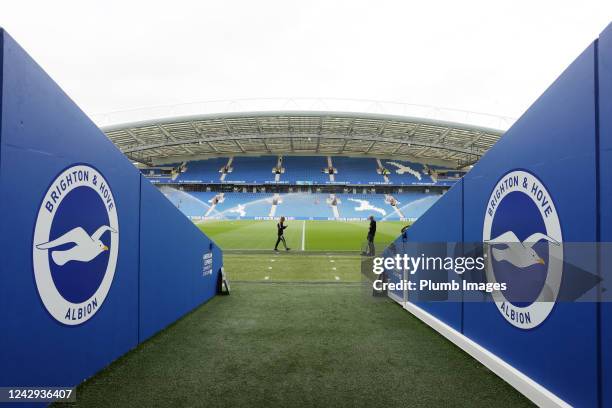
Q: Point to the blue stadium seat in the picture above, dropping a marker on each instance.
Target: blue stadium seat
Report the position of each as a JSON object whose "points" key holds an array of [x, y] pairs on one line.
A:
{"points": [[300, 205], [252, 170], [244, 205], [406, 173], [203, 171], [357, 170], [413, 205], [363, 205], [305, 169], [304, 206], [192, 204]]}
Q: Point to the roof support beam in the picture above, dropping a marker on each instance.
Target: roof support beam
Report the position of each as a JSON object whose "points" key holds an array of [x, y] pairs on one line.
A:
{"points": [[239, 146], [439, 139], [170, 137], [212, 147], [265, 144], [443, 147], [133, 136], [370, 148], [229, 131], [383, 127], [344, 145], [475, 139]]}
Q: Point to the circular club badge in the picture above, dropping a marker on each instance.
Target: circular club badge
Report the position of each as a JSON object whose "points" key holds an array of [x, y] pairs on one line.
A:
{"points": [[75, 244], [523, 233]]}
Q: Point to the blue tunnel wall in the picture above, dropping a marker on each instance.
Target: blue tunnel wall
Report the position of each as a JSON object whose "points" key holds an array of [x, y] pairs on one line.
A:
{"points": [[159, 274], [565, 140]]}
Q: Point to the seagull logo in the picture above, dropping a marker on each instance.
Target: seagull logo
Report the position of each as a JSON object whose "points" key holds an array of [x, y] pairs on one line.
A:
{"points": [[402, 169], [85, 247], [519, 254], [524, 247], [75, 252], [239, 209], [364, 205]]}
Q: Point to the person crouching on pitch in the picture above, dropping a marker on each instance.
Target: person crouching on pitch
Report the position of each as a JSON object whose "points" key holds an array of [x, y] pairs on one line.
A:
{"points": [[281, 238]]}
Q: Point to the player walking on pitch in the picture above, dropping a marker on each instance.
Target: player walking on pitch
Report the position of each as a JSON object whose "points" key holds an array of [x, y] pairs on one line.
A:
{"points": [[281, 238], [371, 235]]}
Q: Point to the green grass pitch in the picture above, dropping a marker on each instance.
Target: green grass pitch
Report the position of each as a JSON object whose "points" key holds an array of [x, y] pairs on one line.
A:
{"points": [[298, 345], [318, 235], [300, 329]]}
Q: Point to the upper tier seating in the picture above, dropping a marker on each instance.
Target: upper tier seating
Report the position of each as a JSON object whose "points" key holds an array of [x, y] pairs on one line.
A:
{"points": [[203, 171], [305, 169], [255, 170], [357, 170], [405, 173]]}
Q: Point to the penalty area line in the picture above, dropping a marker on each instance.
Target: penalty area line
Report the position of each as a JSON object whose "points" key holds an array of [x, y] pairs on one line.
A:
{"points": [[303, 233]]}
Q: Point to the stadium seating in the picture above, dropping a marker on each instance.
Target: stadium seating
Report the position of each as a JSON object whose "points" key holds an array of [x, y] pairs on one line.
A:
{"points": [[203, 171], [413, 205], [252, 170], [243, 205], [405, 173], [363, 205], [305, 169], [302, 170], [191, 204], [304, 206], [357, 170], [316, 206]]}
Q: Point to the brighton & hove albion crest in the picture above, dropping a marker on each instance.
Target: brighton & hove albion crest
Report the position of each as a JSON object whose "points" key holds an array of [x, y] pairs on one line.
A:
{"points": [[75, 244], [523, 233]]}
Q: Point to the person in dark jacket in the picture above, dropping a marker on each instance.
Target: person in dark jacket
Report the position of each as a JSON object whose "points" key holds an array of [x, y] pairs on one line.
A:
{"points": [[280, 227], [371, 235]]}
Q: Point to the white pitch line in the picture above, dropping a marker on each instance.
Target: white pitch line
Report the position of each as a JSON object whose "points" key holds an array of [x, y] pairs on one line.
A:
{"points": [[303, 234], [337, 278]]}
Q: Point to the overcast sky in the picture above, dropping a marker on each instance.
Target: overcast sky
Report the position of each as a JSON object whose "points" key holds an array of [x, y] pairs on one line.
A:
{"points": [[489, 56]]}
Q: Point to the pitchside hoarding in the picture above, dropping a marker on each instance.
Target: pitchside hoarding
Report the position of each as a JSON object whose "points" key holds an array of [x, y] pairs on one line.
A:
{"points": [[82, 237], [548, 177]]}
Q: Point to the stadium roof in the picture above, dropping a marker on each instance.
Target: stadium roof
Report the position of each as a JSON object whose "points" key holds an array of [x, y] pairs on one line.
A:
{"points": [[307, 132]]}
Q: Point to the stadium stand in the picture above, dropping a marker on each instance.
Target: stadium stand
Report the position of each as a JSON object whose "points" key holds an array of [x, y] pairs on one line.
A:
{"points": [[302, 170], [252, 170], [243, 206], [191, 204], [305, 169], [406, 173], [357, 171], [316, 206], [412, 205], [304, 206], [202, 171]]}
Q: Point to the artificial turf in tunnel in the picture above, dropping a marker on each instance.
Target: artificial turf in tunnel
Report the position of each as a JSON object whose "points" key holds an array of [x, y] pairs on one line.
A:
{"points": [[288, 344]]}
